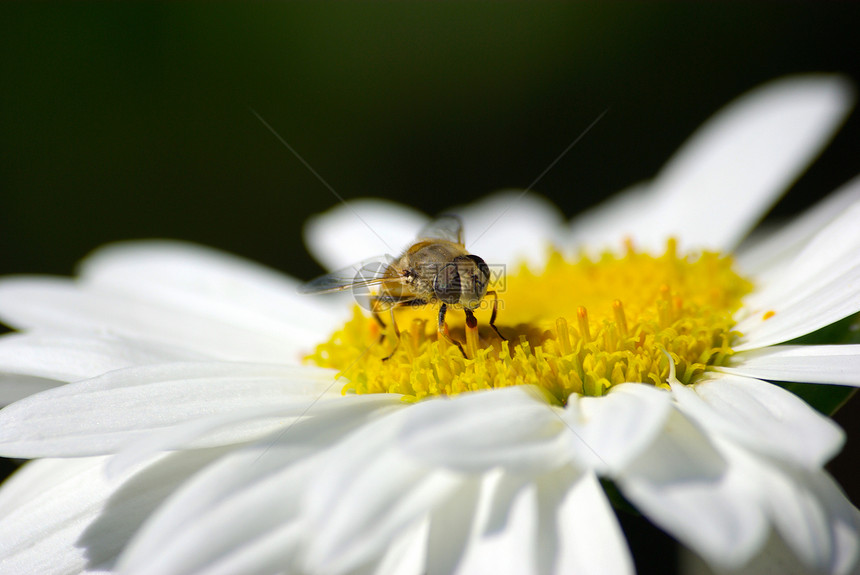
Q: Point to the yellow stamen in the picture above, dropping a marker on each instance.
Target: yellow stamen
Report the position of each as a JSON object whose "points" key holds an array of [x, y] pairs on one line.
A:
{"points": [[563, 335], [582, 319], [677, 303], [620, 319], [472, 337]]}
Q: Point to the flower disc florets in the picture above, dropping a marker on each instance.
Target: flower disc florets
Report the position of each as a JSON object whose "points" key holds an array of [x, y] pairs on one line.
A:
{"points": [[575, 327]]}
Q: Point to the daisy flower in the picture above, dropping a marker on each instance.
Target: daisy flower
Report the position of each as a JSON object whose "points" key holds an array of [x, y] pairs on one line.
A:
{"points": [[191, 413]]}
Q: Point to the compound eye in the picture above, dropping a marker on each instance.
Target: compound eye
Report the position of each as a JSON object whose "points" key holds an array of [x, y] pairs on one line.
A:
{"points": [[447, 284], [481, 280]]}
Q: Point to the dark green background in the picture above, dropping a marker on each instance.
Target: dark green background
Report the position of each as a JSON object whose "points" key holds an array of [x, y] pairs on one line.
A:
{"points": [[133, 120]]}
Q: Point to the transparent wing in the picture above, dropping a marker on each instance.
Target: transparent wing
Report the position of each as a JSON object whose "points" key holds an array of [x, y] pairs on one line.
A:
{"points": [[447, 227], [364, 274]]}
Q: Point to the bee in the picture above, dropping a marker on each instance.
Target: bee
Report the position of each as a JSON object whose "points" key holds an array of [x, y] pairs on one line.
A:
{"points": [[436, 268]]}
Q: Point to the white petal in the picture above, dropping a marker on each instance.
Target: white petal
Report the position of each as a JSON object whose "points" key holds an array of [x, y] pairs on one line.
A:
{"points": [[35, 478], [835, 364], [763, 417], [511, 226], [224, 537], [683, 485], [45, 509], [816, 526], [832, 252], [474, 432], [62, 516], [179, 294], [67, 357], [15, 387], [730, 172], [614, 429], [268, 553], [559, 522], [186, 321], [451, 525], [507, 546], [607, 224], [590, 539], [193, 277], [800, 519], [774, 558], [361, 229], [366, 495], [233, 427], [827, 305], [388, 497], [206, 524], [782, 245], [408, 555], [844, 523], [808, 511], [100, 415]]}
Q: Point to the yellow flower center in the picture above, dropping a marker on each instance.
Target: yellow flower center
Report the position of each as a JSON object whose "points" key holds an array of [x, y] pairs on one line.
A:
{"points": [[576, 327]]}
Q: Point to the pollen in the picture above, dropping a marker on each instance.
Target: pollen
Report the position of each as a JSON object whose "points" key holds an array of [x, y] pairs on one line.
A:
{"points": [[576, 326]]}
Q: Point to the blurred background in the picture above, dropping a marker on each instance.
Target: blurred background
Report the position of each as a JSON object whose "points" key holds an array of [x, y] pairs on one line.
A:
{"points": [[134, 120]]}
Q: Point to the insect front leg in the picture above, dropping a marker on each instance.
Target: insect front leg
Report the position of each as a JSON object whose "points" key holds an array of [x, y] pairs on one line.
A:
{"points": [[493, 315], [443, 330], [381, 325], [396, 333], [378, 305]]}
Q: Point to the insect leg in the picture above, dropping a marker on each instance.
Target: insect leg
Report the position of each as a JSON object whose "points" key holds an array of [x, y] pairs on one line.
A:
{"points": [[379, 319], [472, 339], [381, 324], [396, 334], [394, 324], [493, 315], [375, 308], [443, 330]]}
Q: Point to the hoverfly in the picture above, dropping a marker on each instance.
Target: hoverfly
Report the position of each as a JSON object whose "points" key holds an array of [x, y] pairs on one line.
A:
{"points": [[436, 268]]}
